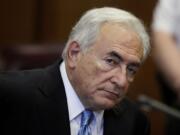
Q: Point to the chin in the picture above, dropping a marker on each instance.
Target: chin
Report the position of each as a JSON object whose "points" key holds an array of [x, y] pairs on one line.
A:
{"points": [[105, 105]]}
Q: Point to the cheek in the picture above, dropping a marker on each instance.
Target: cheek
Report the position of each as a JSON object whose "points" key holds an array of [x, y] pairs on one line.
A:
{"points": [[92, 70], [92, 73], [86, 72], [102, 66]]}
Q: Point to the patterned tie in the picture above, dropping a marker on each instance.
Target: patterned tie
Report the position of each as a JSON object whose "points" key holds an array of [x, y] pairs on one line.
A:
{"points": [[86, 118]]}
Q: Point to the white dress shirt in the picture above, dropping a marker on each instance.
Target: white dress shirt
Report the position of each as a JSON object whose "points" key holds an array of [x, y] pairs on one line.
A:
{"points": [[75, 108], [167, 17]]}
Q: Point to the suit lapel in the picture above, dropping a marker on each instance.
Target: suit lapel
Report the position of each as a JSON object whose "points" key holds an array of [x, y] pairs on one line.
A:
{"points": [[53, 110], [115, 123]]}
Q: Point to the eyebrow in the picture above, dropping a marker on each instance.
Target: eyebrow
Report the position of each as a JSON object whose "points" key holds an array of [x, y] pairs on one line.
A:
{"points": [[116, 55]]}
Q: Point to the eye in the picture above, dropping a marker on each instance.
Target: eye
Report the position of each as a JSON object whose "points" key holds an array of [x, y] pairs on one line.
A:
{"points": [[131, 71], [111, 61]]}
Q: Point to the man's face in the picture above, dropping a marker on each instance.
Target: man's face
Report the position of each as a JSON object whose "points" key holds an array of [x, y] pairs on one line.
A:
{"points": [[101, 75]]}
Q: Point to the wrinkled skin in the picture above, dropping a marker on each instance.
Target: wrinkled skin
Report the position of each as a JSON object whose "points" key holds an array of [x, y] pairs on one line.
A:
{"points": [[101, 74]]}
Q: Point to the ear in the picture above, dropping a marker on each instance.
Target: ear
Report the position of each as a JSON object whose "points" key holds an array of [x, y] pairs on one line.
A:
{"points": [[73, 53]]}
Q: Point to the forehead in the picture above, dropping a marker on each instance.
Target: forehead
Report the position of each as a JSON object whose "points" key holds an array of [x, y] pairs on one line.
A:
{"points": [[119, 38]]}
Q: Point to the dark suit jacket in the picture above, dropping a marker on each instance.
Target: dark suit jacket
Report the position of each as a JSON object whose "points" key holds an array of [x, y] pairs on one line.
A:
{"points": [[33, 102]]}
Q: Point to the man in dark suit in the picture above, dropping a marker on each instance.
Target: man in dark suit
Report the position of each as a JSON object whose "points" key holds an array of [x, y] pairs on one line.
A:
{"points": [[104, 51]]}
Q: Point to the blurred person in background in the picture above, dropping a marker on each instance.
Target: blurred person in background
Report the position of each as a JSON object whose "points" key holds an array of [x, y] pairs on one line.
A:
{"points": [[85, 93], [166, 41]]}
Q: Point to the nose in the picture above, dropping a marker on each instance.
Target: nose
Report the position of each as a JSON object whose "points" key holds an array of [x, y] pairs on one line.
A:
{"points": [[120, 78]]}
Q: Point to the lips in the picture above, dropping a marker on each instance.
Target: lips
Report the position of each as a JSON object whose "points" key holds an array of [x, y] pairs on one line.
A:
{"points": [[111, 94]]}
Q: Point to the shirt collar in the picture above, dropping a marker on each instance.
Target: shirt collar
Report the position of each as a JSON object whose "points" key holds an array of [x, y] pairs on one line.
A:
{"points": [[75, 106]]}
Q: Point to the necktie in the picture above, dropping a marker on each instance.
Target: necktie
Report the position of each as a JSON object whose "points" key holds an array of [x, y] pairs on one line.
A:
{"points": [[86, 118]]}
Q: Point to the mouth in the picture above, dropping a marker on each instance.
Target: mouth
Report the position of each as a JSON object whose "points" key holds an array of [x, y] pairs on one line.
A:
{"points": [[111, 94]]}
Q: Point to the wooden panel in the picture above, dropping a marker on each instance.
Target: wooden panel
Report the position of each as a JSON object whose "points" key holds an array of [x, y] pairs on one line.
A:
{"points": [[60, 15], [17, 21], [51, 20]]}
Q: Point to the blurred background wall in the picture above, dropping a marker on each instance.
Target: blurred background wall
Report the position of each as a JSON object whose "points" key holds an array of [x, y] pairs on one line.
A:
{"points": [[32, 21], [27, 26]]}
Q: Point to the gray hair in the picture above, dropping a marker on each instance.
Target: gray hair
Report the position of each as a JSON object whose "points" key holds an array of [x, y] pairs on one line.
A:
{"points": [[87, 28]]}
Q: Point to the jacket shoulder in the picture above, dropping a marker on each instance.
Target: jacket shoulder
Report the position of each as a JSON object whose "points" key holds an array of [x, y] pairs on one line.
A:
{"points": [[130, 112], [19, 84]]}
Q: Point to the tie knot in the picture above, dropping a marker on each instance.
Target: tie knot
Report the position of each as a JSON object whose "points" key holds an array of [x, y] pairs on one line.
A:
{"points": [[87, 117]]}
